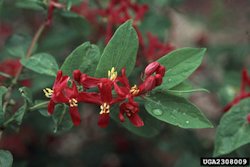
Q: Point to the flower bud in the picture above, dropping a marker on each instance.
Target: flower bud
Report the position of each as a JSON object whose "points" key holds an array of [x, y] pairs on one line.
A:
{"points": [[147, 85], [161, 70], [151, 68], [77, 75], [158, 79]]}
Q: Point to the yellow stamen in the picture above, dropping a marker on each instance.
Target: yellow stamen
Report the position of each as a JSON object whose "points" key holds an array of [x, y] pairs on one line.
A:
{"points": [[73, 102], [48, 92], [105, 108], [112, 74], [134, 90]]}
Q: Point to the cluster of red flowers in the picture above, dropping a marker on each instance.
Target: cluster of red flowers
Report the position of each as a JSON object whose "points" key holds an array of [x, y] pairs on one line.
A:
{"points": [[124, 93], [116, 13], [245, 81], [155, 48]]}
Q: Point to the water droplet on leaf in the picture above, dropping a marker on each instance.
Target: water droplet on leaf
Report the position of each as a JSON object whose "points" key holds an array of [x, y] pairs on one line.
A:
{"points": [[187, 122], [175, 111], [157, 112]]}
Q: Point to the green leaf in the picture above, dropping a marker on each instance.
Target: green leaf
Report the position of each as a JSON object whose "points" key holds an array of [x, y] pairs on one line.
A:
{"points": [[6, 158], [233, 130], [3, 90], [180, 64], [62, 119], [41, 63], [184, 89], [27, 94], [85, 58], [69, 14], [18, 116], [176, 111], [31, 4], [120, 51], [18, 44], [151, 126]]}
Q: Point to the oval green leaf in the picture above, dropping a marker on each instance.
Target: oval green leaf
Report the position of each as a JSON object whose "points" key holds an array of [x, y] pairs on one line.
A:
{"points": [[41, 63], [6, 158], [180, 64], [3, 90], [233, 130], [85, 58], [61, 119], [176, 111], [120, 52]]}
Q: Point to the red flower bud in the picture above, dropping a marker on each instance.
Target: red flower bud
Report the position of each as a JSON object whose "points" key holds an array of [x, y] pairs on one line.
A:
{"points": [[158, 79], [151, 68], [77, 75], [147, 85], [161, 70]]}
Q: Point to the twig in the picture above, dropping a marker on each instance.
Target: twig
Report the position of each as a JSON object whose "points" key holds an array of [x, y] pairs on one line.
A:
{"points": [[28, 54]]}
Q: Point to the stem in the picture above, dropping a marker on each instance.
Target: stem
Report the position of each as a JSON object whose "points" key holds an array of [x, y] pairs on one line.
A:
{"points": [[5, 75], [28, 54], [7, 96], [39, 106]]}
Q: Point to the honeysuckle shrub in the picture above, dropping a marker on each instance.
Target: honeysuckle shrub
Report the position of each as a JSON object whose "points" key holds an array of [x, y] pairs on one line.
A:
{"points": [[119, 66]]}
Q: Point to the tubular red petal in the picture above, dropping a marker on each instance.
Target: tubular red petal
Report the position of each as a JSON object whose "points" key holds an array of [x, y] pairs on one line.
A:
{"points": [[58, 97], [77, 75], [51, 107], [105, 88], [59, 75], [75, 115], [136, 120], [103, 120], [123, 79], [147, 85], [121, 91], [89, 82], [89, 97]]}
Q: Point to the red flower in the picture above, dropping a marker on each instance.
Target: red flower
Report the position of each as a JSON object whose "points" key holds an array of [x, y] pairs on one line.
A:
{"points": [[105, 100], [119, 11], [131, 110], [61, 93], [126, 91], [150, 82], [156, 48], [56, 92]]}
